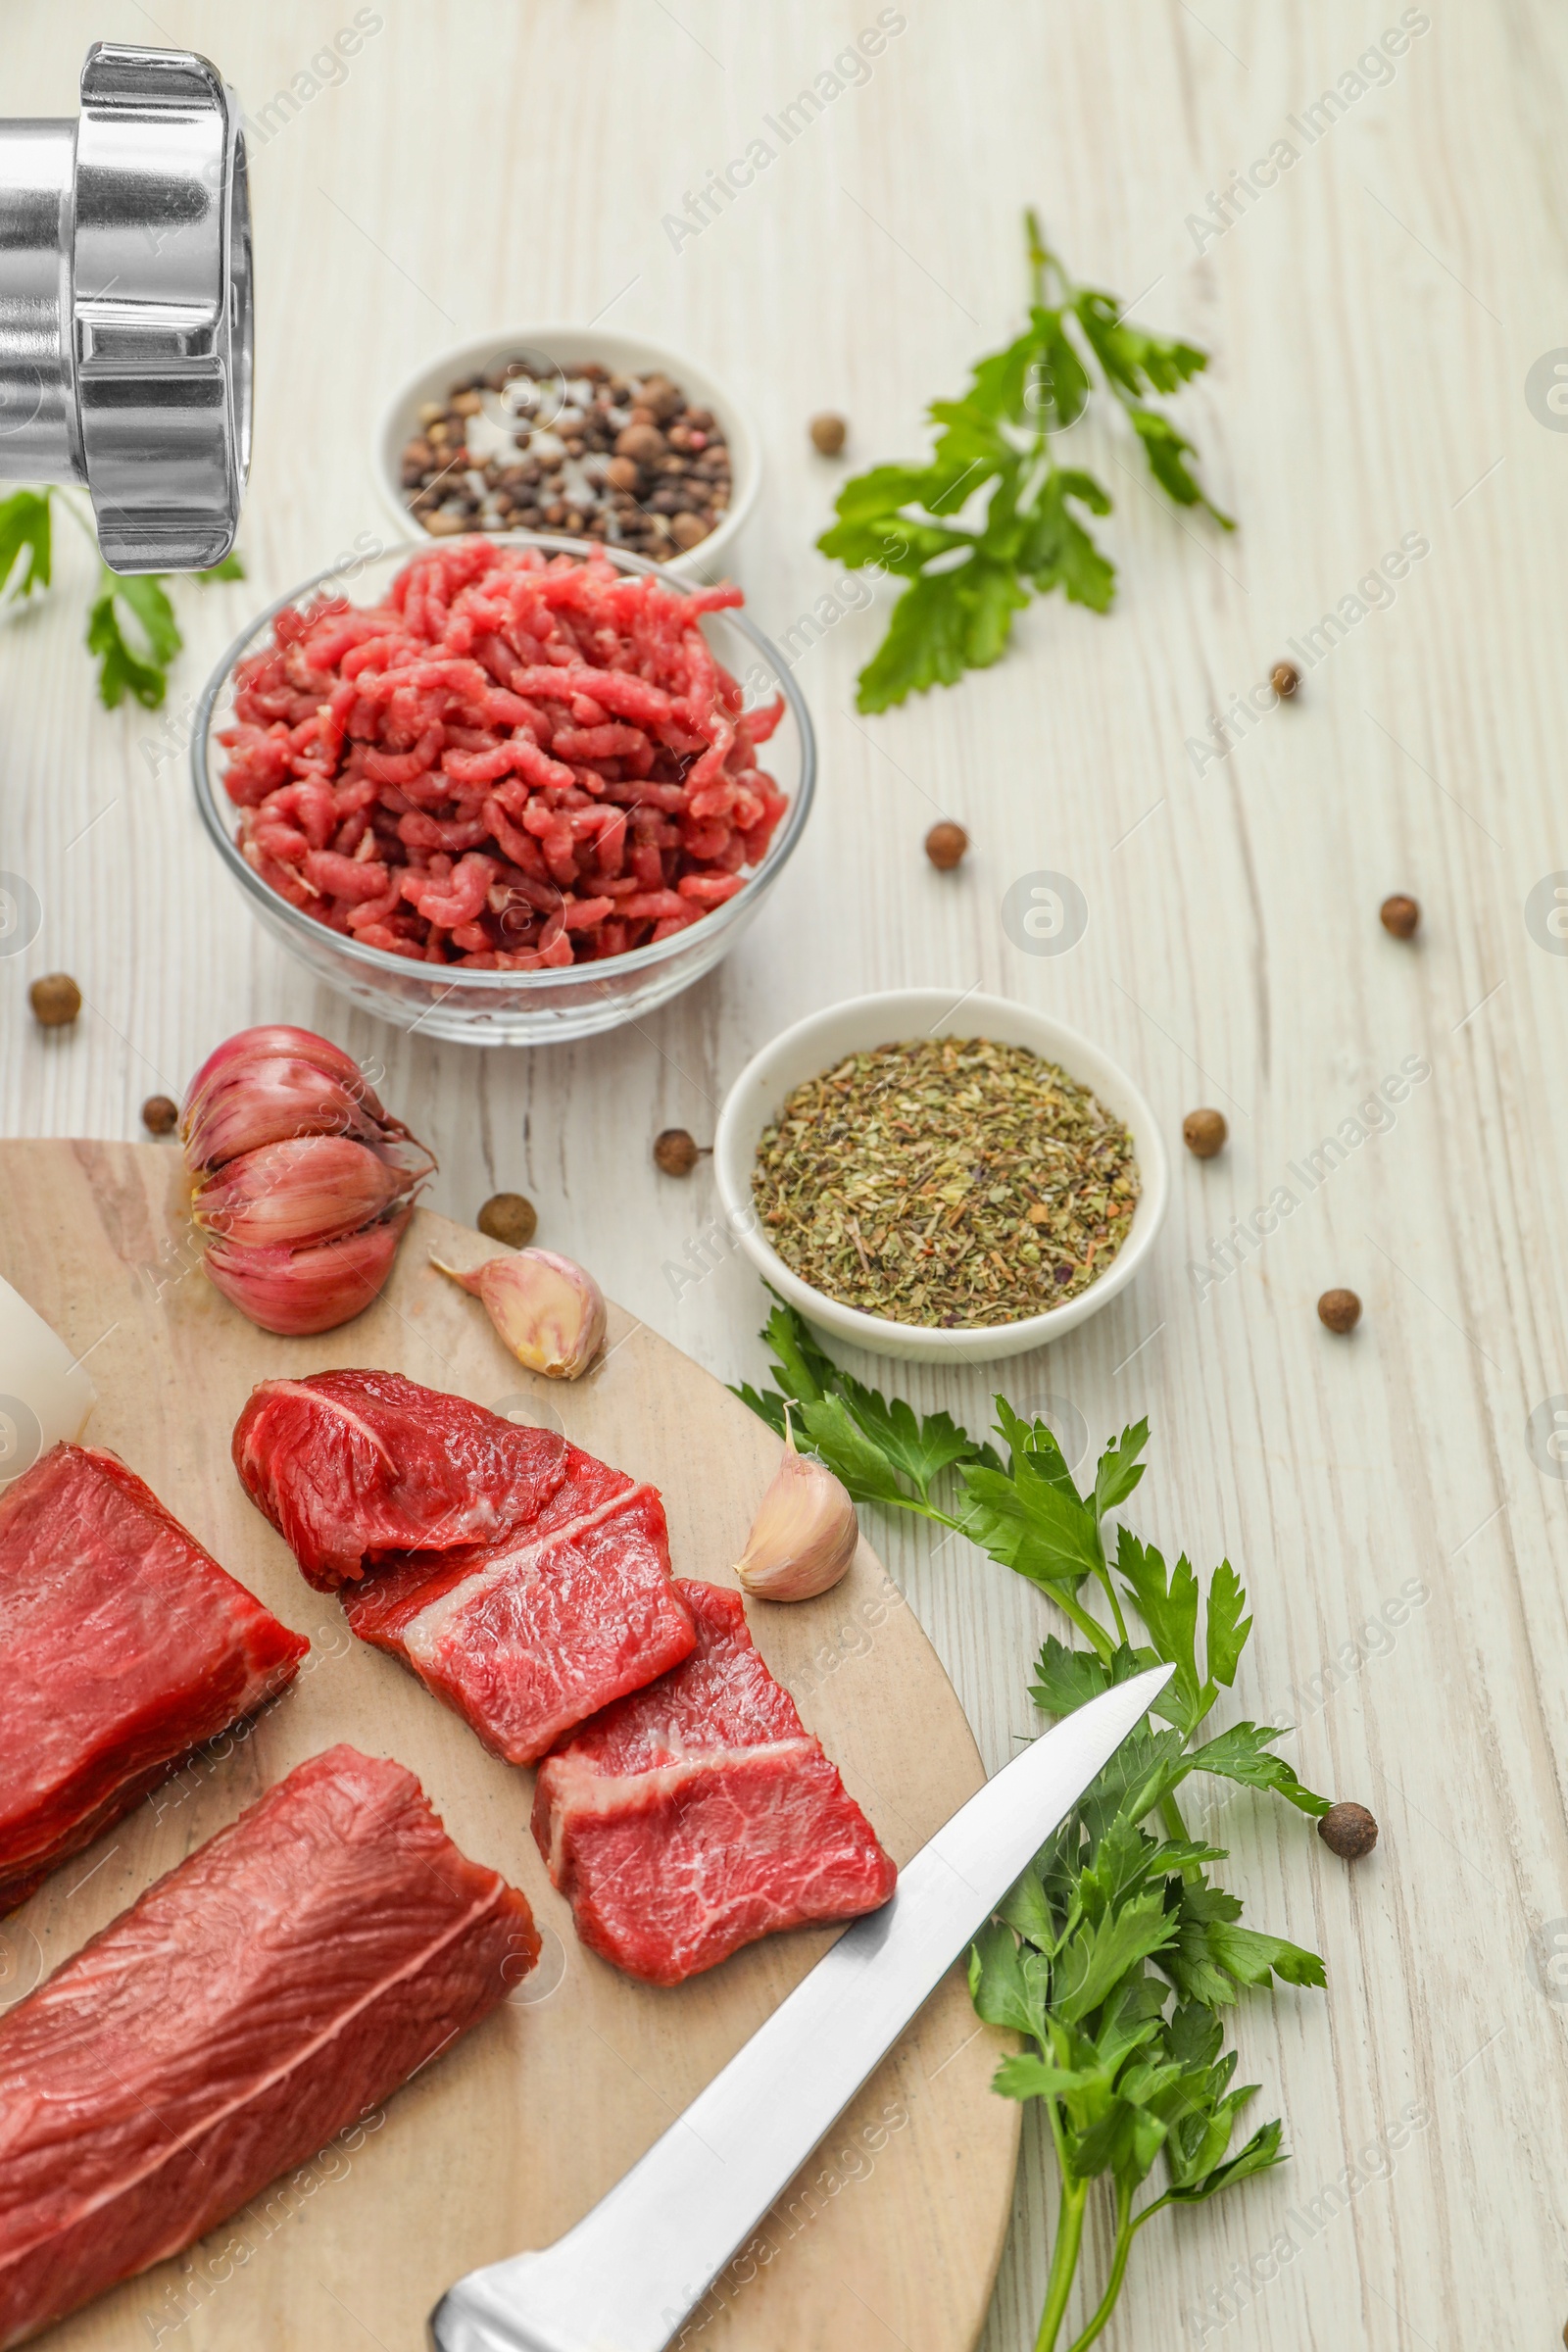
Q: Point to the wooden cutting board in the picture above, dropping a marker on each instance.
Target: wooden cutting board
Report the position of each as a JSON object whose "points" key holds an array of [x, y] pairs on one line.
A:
{"points": [[891, 2234]]}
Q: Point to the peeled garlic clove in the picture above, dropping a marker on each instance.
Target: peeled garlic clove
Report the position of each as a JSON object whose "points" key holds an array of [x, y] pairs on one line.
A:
{"points": [[298, 1292], [548, 1310], [804, 1533], [315, 1189]]}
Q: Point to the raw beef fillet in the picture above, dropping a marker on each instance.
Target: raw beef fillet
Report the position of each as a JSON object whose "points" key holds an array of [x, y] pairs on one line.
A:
{"points": [[264, 1995], [123, 1644], [700, 1814], [528, 1637], [350, 1465]]}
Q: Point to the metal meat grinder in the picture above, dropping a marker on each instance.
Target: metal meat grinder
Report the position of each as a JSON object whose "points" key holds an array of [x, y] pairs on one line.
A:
{"points": [[125, 325]]}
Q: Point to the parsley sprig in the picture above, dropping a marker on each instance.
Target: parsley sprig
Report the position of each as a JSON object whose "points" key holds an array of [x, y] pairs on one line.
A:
{"points": [[138, 665], [1115, 1956], [967, 579]]}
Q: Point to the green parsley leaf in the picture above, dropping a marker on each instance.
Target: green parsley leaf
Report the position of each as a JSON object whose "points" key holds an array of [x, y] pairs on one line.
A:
{"points": [[866, 1440], [1008, 1982], [1119, 1469], [1166, 451], [1028, 1523], [1168, 1605], [1226, 1632], [122, 669], [1134, 362], [1031, 2078], [944, 623], [920, 1446], [1208, 1956], [1113, 1955], [1102, 1951], [1261, 2152], [230, 569], [1026, 1908], [25, 532], [1057, 552], [763, 1403], [848, 1453], [1243, 1754], [1068, 1679], [991, 518]]}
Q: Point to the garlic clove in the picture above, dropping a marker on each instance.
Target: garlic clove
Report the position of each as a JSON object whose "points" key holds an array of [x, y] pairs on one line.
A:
{"points": [[315, 1189], [298, 1292], [277, 1036], [804, 1533], [270, 1100], [548, 1310]]}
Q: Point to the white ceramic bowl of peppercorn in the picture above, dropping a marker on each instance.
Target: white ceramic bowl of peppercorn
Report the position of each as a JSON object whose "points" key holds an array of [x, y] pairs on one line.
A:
{"points": [[825, 1040], [670, 449]]}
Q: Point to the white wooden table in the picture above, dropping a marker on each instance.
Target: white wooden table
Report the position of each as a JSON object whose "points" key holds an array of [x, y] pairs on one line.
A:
{"points": [[1374, 317]]}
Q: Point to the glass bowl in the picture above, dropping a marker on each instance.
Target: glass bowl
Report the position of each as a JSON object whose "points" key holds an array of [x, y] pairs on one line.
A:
{"points": [[511, 1008]]}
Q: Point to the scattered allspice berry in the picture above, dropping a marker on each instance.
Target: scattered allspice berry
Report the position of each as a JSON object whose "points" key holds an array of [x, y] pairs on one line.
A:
{"points": [[828, 433], [1204, 1132], [676, 1151], [1340, 1311], [945, 846], [56, 1000], [1285, 678], [160, 1114], [1400, 915], [508, 1217], [1347, 1831]]}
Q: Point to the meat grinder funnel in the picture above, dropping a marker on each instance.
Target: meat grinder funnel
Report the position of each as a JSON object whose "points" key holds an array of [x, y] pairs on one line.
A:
{"points": [[125, 313]]}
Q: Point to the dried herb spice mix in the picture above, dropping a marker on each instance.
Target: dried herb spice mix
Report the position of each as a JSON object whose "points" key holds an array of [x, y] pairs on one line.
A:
{"points": [[950, 1182]]}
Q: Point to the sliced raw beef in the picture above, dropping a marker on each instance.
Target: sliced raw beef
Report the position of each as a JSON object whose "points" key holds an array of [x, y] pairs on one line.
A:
{"points": [[264, 1995], [350, 1465], [528, 1637], [123, 1644], [700, 1814]]}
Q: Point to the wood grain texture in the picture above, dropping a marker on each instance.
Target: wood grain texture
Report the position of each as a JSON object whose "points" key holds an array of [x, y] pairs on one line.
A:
{"points": [[1374, 317], [513, 2135]]}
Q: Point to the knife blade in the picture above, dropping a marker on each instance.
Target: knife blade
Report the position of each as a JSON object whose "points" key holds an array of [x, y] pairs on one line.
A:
{"points": [[634, 2268]]}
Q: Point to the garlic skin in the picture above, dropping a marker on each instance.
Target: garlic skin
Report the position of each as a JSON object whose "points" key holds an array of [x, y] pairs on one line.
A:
{"points": [[548, 1310], [303, 1184], [804, 1533]]}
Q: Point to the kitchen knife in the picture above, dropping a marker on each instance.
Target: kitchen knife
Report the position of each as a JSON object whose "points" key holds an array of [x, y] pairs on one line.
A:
{"points": [[640, 2261]]}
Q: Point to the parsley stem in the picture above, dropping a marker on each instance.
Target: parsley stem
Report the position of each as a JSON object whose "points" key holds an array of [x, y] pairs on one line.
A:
{"points": [[1041, 259], [1125, 2227], [1170, 1813], [1063, 2261], [1104, 1574]]}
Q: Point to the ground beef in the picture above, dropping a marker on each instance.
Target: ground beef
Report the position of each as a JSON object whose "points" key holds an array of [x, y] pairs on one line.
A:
{"points": [[516, 761]]}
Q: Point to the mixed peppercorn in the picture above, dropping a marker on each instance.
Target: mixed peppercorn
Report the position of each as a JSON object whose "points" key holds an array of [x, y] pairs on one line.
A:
{"points": [[589, 453]]}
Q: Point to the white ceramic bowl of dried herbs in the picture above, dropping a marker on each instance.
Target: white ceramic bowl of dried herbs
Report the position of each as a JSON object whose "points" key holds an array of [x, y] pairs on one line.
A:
{"points": [[955, 1180]]}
